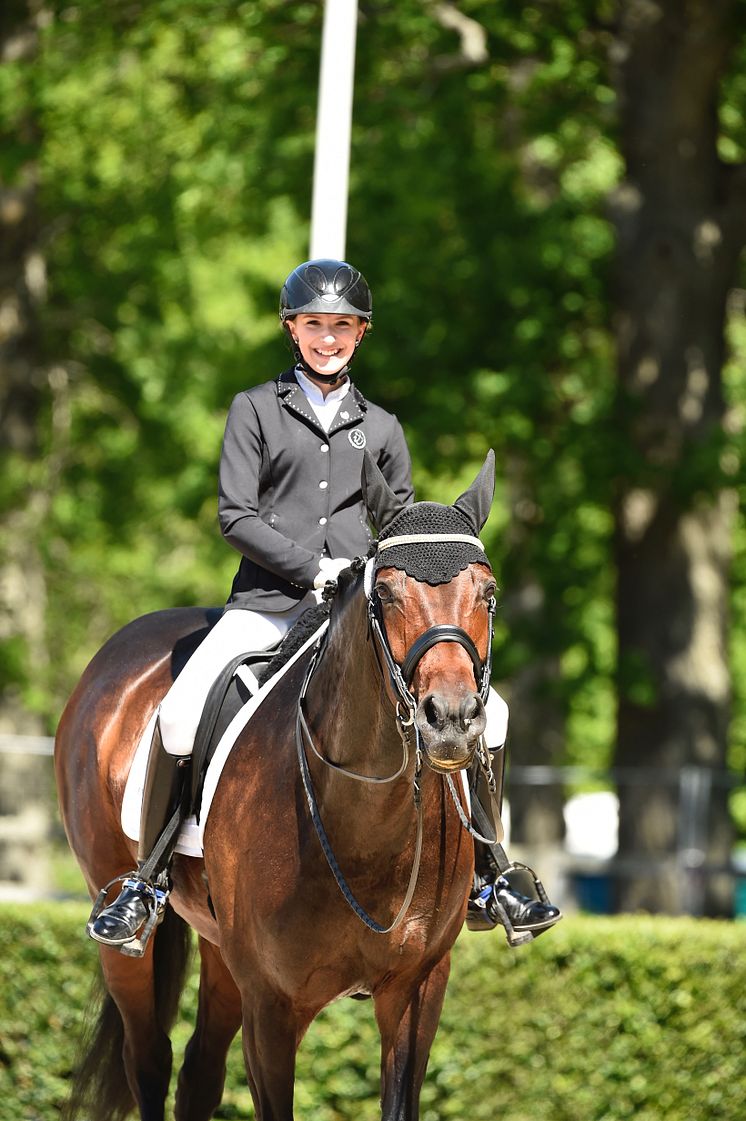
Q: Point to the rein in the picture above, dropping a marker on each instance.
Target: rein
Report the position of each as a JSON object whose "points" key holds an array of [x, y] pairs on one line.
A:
{"points": [[326, 847], [406, 709], [302, 731]]}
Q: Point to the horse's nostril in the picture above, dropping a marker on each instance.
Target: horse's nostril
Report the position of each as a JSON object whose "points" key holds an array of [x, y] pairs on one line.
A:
{"points": [[436, 710], [469, 711]]}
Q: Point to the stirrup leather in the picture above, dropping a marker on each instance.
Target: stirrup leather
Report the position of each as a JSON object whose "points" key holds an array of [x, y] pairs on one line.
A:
{"points": [[155, 899]]}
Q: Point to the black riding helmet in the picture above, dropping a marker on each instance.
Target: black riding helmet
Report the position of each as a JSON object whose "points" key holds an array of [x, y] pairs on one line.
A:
{"points": [[327, 287]]}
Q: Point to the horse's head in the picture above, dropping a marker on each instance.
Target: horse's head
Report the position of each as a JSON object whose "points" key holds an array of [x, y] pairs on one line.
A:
{"points": [[432, 598]]}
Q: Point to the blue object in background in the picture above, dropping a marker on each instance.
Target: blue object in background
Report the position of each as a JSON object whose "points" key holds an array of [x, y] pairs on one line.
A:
{"points": [[593, 892], [739, 898]]}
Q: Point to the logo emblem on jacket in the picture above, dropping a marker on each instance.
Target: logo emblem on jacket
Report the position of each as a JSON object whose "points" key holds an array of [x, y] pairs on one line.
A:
{"points": [[357, 438]]}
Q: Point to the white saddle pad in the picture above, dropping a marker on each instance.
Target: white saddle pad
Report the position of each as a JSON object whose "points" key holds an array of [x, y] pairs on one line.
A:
{"points": [[190, 838]]}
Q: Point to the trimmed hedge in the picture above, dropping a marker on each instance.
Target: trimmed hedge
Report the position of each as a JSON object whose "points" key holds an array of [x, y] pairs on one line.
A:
{"points": [[601, 1019]]}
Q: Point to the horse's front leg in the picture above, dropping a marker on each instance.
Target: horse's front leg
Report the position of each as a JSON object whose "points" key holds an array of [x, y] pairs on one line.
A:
{"points": [[408, 1016], [272, 1030], [202, 1077]]}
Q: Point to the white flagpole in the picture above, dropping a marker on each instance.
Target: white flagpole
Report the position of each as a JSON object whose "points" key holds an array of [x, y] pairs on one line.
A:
{"points": [[333, 127]]}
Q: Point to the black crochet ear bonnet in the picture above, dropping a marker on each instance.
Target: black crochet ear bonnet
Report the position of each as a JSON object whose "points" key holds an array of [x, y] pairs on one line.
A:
{"points": [[434, 562]]}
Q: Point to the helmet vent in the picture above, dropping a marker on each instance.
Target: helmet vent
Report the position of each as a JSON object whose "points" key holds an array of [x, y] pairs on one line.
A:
{"points": [[343, 279], [314, 276]]}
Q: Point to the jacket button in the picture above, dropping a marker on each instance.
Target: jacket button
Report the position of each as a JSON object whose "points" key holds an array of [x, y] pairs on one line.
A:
{"points": [[322, 521], [323, 484], [324, 448]]}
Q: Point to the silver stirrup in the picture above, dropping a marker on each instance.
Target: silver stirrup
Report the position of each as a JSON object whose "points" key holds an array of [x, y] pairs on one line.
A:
{"points": [[155, 902]]}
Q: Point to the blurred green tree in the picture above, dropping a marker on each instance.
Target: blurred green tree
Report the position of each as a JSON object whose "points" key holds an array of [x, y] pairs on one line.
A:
{"points": [[481, 202], [24, 496]]}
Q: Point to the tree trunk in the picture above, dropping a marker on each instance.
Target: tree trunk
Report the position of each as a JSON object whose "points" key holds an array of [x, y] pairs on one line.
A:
{"points": [[536, 731], [680, 232], [22, 391]]}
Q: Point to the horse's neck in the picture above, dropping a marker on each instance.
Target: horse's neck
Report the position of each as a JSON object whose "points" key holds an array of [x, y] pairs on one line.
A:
{"points": [[347, 701]]}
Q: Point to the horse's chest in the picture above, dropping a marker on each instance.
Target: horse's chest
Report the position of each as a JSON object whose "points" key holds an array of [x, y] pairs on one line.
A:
{"points": [[416, 934]]}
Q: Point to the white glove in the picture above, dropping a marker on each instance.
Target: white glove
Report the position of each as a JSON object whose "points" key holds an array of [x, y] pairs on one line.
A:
{"points": [[329, 570]]}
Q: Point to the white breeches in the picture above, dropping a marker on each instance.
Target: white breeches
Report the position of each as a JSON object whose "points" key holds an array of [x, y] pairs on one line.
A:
{"points": [[496, 710], [239, 631]]}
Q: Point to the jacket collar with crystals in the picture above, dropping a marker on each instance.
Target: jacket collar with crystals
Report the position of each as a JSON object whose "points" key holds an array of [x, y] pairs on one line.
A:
{"points": [[354, 405]]}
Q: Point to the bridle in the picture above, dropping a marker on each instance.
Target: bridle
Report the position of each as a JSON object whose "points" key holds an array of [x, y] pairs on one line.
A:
{"points": [[400, 676]]}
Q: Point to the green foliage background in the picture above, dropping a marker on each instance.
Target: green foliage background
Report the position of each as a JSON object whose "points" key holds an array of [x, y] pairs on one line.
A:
{"points": [[173, 144], [602, 1019]]}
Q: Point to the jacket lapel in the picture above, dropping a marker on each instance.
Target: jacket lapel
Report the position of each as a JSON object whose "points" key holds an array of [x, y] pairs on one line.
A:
{"points": [[293, 398], [351, 409]]}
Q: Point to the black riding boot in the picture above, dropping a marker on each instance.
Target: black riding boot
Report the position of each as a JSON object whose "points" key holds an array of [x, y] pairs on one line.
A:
{"points": [[493, 898], [127, 923]]}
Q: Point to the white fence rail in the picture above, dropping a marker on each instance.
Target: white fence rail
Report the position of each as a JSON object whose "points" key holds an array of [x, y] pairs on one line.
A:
{"points": [[25, 745]]}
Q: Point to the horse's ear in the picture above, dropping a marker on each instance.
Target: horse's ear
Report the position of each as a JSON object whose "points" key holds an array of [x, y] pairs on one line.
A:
{"points": [[476, 502], [380, 500]]}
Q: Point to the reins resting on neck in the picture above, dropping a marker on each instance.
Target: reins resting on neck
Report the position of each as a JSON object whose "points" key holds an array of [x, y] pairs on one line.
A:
{"points": [[302, 727], [326, 847]]}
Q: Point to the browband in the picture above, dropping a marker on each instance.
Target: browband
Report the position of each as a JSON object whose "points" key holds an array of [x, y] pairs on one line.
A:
{"points": [[427, 538]]}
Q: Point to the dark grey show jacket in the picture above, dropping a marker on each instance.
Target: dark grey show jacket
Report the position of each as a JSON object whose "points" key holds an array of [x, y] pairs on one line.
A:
{"points": [[290, 492]]}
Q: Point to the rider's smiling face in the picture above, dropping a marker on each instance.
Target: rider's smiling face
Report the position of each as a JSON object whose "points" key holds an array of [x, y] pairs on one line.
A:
{"points": [[327, 342]]}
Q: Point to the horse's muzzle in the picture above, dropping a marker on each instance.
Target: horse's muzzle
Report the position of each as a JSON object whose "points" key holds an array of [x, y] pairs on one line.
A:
{"points": [[450, 729]]}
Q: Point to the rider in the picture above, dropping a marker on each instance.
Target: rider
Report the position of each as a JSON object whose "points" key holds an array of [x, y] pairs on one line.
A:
{"points": [[290, 502]]}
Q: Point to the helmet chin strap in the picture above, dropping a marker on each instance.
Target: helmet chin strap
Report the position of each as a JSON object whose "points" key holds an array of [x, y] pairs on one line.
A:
{"points": [[327, 379]]}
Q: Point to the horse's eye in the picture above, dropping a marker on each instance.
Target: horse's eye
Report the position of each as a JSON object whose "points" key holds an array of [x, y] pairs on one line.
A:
{"points": [[490, 590], [384, 593]]}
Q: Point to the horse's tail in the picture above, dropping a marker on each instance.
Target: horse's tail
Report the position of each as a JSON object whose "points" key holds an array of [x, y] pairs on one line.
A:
{"points": [[100, 1089]]}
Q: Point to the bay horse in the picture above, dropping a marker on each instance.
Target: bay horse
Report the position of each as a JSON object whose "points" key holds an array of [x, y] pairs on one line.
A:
{"points": [[287, 924]]}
